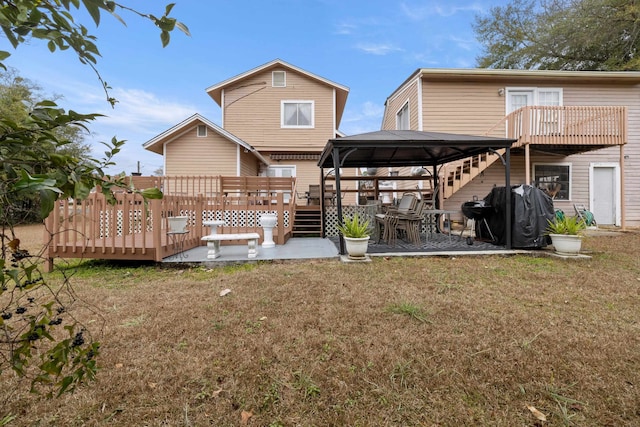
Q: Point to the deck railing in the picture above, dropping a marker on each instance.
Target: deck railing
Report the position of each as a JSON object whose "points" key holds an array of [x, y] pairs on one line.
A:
{"points": [[134, 229], [572, 125]]}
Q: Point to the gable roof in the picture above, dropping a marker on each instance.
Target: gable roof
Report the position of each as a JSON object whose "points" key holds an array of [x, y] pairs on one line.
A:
{"points": [[156, 144], [342, 91]]}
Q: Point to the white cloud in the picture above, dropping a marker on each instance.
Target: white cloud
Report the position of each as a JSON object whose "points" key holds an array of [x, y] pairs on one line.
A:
{"points": [[419, 13], [367, 117], [465, 44], [345, 29], [377, 48], [142, 111]]}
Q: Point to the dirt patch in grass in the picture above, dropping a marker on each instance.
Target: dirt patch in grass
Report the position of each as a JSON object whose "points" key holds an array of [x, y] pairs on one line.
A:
{"points": [[403, 341]]}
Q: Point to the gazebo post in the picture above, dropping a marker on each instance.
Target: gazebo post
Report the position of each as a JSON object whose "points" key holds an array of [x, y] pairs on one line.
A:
{"points": [[507, 179], [436, 182], [336, 171]]}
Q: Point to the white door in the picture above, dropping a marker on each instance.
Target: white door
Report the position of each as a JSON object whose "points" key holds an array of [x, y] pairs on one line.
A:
{"points": [[282, 172], [604, 194], [518, 99]]}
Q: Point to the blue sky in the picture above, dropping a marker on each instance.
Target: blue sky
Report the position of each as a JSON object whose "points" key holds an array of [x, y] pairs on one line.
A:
{"points": [[369, 46]]}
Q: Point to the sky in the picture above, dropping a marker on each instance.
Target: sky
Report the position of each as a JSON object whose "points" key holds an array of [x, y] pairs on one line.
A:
{"points": [[370, 46]]}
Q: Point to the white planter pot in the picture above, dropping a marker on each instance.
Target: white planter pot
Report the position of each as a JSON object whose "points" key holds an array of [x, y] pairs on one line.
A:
{"points": [[357, 246], [566, 244], [268, 221], [178, 223]]}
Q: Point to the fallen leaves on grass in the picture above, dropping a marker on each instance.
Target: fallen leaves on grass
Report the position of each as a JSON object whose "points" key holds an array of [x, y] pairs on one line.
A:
{"points": [[244, 417], [539, 415]]}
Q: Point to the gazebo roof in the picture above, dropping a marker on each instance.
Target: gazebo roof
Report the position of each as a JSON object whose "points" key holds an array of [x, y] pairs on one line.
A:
{"points": [[406, 148], [397, 148]]}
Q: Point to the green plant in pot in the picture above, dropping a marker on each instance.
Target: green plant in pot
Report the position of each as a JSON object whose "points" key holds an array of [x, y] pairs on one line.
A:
{"points": [[356, 232], [566, 234]]}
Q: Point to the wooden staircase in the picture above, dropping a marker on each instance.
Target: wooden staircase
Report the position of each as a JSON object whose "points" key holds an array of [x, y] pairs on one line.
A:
{"points": [[463, 172], [308, 221], [460, 173]]}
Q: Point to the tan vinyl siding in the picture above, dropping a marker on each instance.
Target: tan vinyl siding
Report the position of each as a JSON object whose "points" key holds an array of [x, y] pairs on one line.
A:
{"points": [[610, 95], [252, 112], [249, 164], [465, 108], [408, 94], [192, 155]]}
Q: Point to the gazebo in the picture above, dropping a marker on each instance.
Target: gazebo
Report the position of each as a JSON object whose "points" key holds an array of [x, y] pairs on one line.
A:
{"points": [[401, 148]]}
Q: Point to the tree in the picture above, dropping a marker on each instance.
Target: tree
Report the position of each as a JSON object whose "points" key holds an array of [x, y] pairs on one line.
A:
{"points": [[39, 336], [18, 96], [561, 35]]}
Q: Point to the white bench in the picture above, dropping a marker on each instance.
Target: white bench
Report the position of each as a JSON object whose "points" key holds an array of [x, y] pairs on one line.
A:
{"points": [[213, 243]]}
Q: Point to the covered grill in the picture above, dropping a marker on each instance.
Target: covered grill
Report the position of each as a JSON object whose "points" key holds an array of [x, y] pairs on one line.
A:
{"points": [[478, 210]]}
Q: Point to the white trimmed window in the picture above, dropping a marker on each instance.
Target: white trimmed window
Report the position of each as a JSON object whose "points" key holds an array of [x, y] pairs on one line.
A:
{"points": [[297, 114], [549, 97], [402, 118], [202, 131], [279, 79], [554, 178]]}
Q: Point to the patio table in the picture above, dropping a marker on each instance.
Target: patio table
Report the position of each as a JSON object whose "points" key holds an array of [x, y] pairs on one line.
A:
{"points": [[447, 216]]}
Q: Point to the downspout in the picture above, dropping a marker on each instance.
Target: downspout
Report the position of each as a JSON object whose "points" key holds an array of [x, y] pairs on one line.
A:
{"points": [[222, 107], [623, 222], [238, 162], [420, 110]]}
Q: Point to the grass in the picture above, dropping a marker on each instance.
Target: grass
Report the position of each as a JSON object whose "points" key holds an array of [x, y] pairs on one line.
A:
{"points": [[399, 341]]}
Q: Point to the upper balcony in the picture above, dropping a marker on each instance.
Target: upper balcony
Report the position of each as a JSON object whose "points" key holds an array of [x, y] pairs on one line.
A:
{"points": [[567, 130]]}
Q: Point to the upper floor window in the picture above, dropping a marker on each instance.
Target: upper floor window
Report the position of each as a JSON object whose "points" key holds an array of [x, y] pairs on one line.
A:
{"points": [[555, 179], [279, 79], [297, 114], [202, 130], [549, 97], [402, 118]]}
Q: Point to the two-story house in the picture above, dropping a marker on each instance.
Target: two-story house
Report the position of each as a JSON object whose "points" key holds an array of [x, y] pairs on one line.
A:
{"points": [[578, 132], [276, 119]]}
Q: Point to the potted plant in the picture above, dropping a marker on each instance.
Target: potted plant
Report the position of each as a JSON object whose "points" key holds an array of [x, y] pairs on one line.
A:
{"points": [[356, 232], [566, 234]]}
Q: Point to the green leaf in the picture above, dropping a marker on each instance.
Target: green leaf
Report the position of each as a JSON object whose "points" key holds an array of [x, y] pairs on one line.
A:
{"points": [[81, 191], [151, 193], [183, 28], [47, 202], [165, 37], [93, 10]]}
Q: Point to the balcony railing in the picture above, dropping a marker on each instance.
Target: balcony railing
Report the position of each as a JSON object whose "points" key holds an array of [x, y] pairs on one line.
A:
{"points": [[578, 125]]}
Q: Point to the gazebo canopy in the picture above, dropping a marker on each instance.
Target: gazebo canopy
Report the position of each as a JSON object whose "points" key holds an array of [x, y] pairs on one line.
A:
{"points": [[406, 148], [397, 148]]}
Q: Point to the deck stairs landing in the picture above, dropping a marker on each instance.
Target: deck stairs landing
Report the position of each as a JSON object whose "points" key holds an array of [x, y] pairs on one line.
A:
{"points": [[308, 221]]}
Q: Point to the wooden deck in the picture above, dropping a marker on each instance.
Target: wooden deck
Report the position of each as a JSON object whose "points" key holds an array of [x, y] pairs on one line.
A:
{"points": [[132, 229]]}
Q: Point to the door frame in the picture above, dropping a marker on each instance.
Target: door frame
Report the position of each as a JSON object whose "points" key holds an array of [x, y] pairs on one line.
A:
{"points": [[616, 183]]}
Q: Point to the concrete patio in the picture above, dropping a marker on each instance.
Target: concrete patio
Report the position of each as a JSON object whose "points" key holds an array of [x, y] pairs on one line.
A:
{"points": [[318, 248]]}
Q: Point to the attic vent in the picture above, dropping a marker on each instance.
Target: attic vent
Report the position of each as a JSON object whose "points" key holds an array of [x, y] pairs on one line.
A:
{"points": [[202, 131], [279, 79]]}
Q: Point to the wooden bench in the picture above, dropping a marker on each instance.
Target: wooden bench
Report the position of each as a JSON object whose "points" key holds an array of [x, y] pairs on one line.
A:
{"points": [[213, 243]]}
